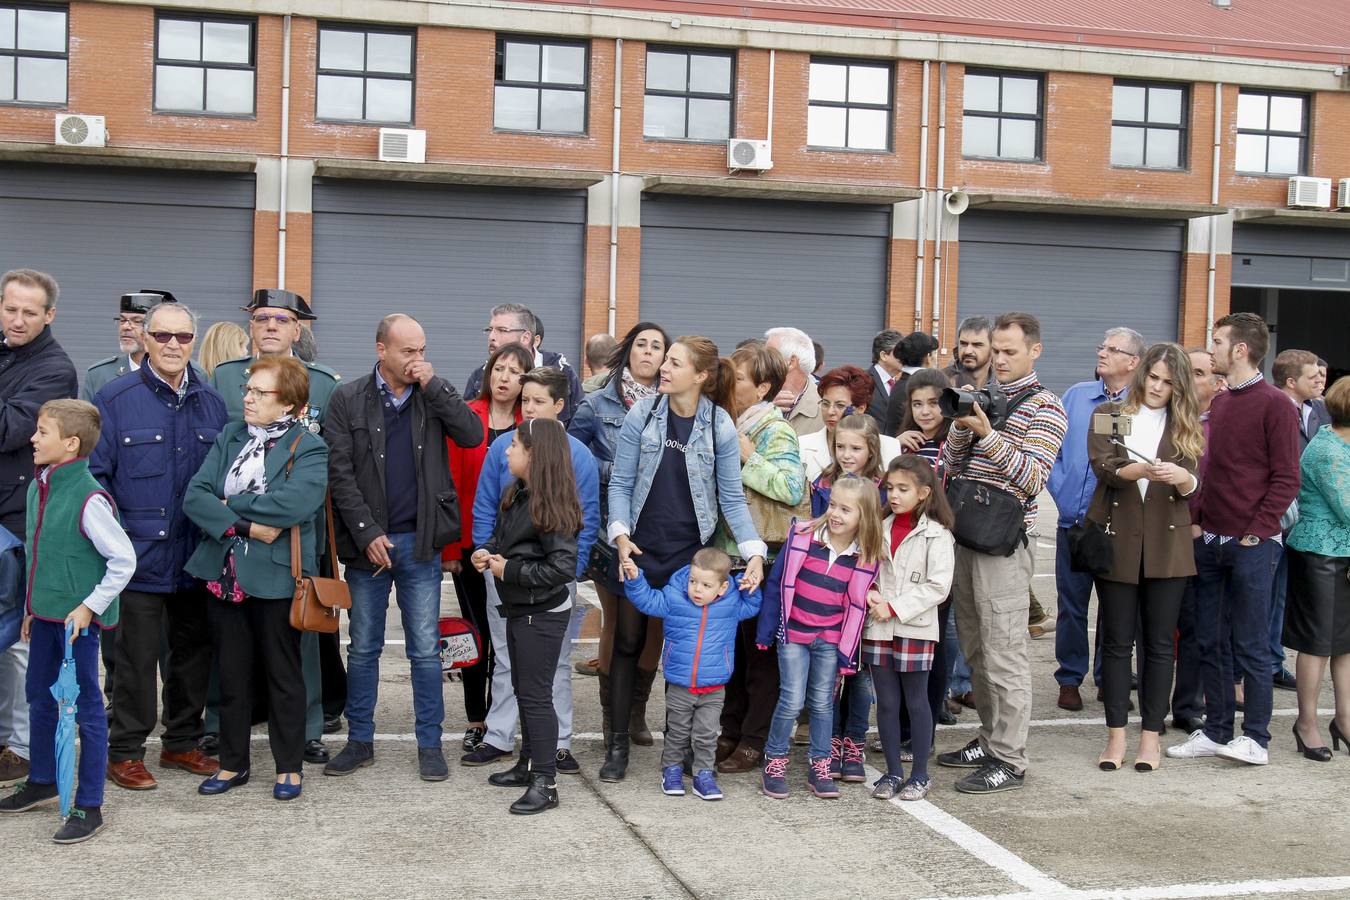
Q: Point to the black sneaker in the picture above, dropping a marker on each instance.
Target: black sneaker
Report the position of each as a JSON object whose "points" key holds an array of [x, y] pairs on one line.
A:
{"points": [[83, 823], [431, 764], [356, 755], [566, 763], [482, 755], [994, 776], [971, 756], [28, 795]]}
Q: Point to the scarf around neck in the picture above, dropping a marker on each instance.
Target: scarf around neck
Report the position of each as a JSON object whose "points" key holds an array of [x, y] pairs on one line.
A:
{"points": [[247, 474], [634, 390]]}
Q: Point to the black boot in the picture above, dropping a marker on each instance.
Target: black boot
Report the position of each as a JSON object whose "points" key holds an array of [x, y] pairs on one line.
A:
{"points": [[516, 776], [616, 758], [637, 720], [605, 726], [541, 795]]}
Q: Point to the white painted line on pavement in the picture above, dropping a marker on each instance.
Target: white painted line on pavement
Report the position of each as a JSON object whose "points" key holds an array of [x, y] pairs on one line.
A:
{"points": [[1182, 891]]}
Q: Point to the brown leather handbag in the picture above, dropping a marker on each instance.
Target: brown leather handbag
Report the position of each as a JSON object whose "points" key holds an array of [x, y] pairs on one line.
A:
{"points": [[318, 602]]}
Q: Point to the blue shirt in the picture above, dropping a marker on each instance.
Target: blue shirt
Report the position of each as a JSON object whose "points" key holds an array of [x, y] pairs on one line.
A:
{"points": [[1072, 481], [388, 393]]}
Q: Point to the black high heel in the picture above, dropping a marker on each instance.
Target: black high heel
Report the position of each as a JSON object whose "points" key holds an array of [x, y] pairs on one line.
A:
{"points": [[1337, 738], [1316, 754]]}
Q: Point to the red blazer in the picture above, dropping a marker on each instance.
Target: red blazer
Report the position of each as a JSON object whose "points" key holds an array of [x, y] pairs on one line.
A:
{"points": [[465, 464]]}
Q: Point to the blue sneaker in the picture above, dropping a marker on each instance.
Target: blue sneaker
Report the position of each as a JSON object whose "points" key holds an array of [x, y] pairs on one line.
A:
{"points": [[775, 777], [853, 762], [836, 757], [819, 780], [672, 780], [705, 786]]}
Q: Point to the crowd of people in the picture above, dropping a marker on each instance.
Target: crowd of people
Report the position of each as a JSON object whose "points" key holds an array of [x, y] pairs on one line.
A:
{"points": [[785, 544]]}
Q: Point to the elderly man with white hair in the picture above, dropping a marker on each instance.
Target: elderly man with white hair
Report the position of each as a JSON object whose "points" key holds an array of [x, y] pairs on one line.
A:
{"points": [[799, 400]]}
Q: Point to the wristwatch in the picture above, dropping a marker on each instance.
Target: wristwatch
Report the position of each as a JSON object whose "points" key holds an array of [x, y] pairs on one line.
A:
{"points": [[1249, 540]]}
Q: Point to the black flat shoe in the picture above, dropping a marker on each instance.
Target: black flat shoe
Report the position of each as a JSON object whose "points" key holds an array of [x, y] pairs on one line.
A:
{"points": [[216, 785], [472, 738], [316, 752], [1316, 754]]}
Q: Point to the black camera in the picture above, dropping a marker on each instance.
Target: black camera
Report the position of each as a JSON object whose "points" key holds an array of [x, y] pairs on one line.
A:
{"points": [[955, 403]]}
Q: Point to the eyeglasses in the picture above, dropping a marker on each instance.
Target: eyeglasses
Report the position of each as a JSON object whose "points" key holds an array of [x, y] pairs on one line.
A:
{"points": [[247, 391], [1108, 348], [128, 320], [263, 318], [504, 331], [183, 337]]}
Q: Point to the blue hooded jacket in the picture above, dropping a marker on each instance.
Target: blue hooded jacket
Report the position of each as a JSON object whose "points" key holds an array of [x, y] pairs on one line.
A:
{"points": [[700, 649]]}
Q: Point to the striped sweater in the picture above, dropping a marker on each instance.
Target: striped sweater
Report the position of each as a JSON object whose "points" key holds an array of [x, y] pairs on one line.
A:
{"points": [[1017, 458]]}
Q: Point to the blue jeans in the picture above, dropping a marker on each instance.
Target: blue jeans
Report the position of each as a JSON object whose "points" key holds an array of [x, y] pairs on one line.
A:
{"points": [[1073, 591], [11, 596], [1277, 595], [855, 704], [1232, 602], [806, 675], [958, 679], [419, 602], [44, 664]]}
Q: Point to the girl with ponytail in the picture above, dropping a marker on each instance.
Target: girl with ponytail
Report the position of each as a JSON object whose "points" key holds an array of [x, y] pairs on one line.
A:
{"points": [[677, 467]]}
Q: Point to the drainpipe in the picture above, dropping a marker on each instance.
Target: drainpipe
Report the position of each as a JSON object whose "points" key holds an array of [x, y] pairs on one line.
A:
{"points": [[1214, 220], [285, 148], [921, 251], [939, 211], [614, 186], [773, 54]]}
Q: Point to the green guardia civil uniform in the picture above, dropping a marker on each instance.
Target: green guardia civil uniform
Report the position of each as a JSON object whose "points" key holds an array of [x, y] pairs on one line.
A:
{"points": [[230, 377]]}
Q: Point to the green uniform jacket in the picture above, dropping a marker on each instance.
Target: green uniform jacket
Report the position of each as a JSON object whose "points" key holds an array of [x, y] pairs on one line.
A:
{"points": [[229, 379], [104, 371], [262, 570]]}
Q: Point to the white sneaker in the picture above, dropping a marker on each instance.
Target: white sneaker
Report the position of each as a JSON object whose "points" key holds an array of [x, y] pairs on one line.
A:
{"points": [[1244, 749], [1196, 746]]}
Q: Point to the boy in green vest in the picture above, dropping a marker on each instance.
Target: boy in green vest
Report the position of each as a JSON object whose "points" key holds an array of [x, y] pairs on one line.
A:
{"points": [[79, 560]]}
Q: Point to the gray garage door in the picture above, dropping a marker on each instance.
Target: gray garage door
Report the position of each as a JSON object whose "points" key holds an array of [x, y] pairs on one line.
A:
{"points": [[1284, 256], [445, 255], [729, 269], [1078, 274], [102, 232]]}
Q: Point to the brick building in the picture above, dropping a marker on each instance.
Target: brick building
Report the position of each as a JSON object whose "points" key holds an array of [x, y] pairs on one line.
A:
{"points": [[1126, 165]]}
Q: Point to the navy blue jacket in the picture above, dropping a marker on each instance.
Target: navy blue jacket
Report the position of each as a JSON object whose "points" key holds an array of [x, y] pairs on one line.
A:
{"points": [[551, 359], [149, 449], [29, 376], [597, 423]]}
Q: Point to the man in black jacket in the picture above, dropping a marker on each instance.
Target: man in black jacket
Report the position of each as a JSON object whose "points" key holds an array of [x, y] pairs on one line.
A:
{"points": [[395, 505], [33, 370], [885, 372]]}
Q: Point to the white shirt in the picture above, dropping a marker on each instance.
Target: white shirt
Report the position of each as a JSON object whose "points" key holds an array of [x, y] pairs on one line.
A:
{"points": [[100, 525], [1146, 431], [886, 377], [823, 535], [816, 452]]}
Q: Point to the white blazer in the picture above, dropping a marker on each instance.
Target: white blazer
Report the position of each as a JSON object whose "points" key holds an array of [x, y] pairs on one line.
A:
{"points": [[817, 455], [914, 580]]}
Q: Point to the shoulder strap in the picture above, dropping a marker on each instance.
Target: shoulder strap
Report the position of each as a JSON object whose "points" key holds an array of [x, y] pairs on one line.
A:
{"points": [[295, 529], [1027, 395]]}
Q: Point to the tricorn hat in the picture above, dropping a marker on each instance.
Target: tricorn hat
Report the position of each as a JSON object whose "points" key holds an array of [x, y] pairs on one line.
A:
{"points": [[142, 300], [279, 299]]}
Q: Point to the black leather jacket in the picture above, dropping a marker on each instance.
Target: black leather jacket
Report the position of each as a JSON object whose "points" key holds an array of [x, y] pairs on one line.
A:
{"points": [[538, 566]]}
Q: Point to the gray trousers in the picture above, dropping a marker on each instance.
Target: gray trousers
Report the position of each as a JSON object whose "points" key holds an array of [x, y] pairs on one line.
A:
{"points": [[693, 722], [990, 595]]}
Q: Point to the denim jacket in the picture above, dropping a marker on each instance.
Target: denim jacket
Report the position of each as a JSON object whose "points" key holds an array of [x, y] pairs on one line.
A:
{"points": [[713, 484], [597, 421]]}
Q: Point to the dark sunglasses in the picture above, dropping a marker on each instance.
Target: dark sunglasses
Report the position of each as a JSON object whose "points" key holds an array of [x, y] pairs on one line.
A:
{"points": [[163, 337]]}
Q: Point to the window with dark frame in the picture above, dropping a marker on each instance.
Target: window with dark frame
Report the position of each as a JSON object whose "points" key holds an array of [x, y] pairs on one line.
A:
{"points": [[849, 104], [365, 74], [688, 94], [1003, 114], [1148, 124], [1272, 133], [34, 54], [205, 64], [540, 85]]}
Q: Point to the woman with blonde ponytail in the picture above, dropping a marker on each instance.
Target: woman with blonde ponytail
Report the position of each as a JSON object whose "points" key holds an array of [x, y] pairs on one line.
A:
{"points": [[677, 466]]}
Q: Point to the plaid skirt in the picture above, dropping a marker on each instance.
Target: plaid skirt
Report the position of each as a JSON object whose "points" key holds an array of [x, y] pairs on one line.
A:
{"points": [[899, 654]]}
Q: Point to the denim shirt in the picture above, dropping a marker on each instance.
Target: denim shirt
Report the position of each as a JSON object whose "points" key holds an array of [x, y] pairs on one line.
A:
{"points": [[1072, 481], [597, 421], [712, 483]]}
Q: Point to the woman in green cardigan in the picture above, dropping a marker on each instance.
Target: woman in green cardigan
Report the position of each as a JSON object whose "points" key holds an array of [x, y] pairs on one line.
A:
{"points": [[263, 476]]}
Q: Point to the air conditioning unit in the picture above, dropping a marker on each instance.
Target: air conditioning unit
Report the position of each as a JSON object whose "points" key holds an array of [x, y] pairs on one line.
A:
{"points": [[1343, 194], [403, 145], [1309, 193], [742, 154], [80, 131]]}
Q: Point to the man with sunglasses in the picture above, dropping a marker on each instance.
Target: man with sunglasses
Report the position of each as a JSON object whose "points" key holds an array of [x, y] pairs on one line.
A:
{"points": [[1072, 483], [130, 323], [274, 328], [512, 323], [158, 424]]}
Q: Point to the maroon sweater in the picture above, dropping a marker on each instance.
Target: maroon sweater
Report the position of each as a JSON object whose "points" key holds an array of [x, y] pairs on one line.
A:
{"points": [[1251, 472]]}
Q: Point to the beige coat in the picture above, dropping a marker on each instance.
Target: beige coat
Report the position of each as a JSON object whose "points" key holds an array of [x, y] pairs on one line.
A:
{"points": [[914, 580]]}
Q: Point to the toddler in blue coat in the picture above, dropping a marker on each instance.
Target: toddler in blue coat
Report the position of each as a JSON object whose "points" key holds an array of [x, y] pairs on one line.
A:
{"points": [[702, 605]]}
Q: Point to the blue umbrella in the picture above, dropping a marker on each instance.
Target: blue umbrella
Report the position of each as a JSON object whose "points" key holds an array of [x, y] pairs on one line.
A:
{"points": [[66, 691]]}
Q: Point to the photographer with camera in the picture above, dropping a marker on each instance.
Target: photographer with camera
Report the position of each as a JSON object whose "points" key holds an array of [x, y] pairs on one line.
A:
{"points": [[1072, 482], [999, 453]]}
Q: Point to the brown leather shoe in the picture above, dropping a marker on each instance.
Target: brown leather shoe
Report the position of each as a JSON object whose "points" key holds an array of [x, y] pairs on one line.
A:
{"points": [[1070, 698], [967, 699], [725, 747], [743, 759], [194, 761], [132, 775], [13, 767]]}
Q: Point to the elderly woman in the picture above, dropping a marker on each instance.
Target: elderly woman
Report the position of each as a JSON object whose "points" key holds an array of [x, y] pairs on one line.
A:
{"points": [[1317, 620], [263, 477], [634, 367]]}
